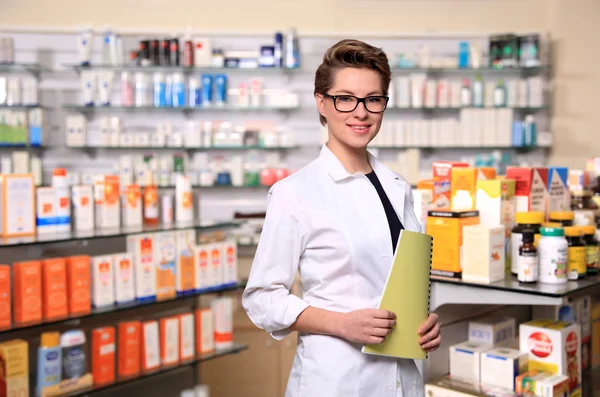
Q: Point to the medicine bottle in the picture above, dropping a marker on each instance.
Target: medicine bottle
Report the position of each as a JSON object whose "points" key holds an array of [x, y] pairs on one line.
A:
{"points": [[592, 249], [576, 266], [553, 248], [525, 221], [585, 208], [528, 259], [565, 218]]}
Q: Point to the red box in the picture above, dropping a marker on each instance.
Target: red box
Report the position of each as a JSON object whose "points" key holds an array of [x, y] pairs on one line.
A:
{"points": [[531, 188]]}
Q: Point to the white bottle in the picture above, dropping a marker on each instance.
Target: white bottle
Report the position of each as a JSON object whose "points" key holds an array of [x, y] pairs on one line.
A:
{"points": [[478, 92]]}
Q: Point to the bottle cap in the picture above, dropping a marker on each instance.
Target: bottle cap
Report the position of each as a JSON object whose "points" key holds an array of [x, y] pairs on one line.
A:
{"points": [[573, 231], [551, 224], [532, 217], [552, 231], [589, 229], [59, 172], [528, 236], [562, 215], [50, 339]]}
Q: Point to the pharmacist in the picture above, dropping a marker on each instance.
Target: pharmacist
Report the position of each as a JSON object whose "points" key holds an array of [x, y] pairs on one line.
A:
{"points": [[336, 222]]}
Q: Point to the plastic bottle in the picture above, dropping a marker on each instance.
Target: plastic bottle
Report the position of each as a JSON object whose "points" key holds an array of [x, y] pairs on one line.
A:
{"points": [[553, 248], [565, 218], [49, 371], [150, 199], [592, 249], [576, 266], [126, 89], [466, 99], [478, 92], [73, 354], [278, 50], [525, 221], [292, 52], [530, 131], [500, 94], [528, 259], [160, 90]]}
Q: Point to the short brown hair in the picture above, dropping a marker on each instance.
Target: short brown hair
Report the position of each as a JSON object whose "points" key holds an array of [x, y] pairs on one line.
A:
{"points": [[351, 54]]}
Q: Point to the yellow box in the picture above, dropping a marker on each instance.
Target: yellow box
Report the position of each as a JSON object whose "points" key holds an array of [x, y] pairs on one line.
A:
{"points": [[463, 184], [595, 356], [446, 229], [15, 357]]}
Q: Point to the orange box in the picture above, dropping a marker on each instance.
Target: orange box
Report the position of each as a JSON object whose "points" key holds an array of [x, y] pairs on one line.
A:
{"points": [[129, 351], [5, 295], [169, 340], [78, 285], [446, 229], [205, 331], [103, 355], [531, 188], [27, 292], [54, 288], [442, 176], [463, 186], [186, 336], [150, 346]]}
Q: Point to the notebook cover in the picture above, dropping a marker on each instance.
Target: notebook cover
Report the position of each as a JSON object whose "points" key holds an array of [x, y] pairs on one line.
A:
{"points": [[406, 293]]}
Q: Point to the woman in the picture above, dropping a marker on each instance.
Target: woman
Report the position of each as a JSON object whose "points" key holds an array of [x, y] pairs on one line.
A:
{"points": [[337, 222]]}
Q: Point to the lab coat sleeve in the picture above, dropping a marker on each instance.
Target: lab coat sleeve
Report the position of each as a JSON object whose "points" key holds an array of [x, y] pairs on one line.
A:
{"points": [[267, 298]]}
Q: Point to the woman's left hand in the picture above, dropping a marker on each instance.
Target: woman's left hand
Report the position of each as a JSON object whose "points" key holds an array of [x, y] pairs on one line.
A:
{"points": [[430, 333]]}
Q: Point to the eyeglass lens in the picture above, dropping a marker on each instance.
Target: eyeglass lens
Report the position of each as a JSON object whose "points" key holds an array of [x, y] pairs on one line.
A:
{"points": [[345, 103]]}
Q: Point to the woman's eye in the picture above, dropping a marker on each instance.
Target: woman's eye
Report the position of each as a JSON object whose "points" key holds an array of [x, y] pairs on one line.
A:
{"points": [[374, 100], [345, 98]]}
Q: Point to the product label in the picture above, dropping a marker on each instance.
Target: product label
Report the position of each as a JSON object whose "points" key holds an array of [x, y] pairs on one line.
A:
{"points": [[538, 193], [577, 262], [516, 239], [527, 264], [592, 256], [559, 194], [553, 264]]}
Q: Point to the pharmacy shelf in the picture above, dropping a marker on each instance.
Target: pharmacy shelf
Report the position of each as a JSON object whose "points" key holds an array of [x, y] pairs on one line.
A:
{"points": [[591, 383], [479, 148], [187, 109], [482, 70], [121, 308], [32, 68], [22, 107], [506, 292], [115, 232], [14, 146], [457, 110], [181, 69], [236, 348], [185, 148]]}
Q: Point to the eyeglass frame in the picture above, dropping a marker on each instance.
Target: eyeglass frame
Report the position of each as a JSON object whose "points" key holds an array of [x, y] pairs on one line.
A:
{"points": [[358, 101]]}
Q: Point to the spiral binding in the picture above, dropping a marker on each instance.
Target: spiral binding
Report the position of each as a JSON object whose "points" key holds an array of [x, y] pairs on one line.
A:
{"points": [[429, 293]]}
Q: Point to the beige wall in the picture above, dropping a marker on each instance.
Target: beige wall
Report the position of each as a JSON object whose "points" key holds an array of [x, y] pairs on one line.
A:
{"points": [[572, 23]]}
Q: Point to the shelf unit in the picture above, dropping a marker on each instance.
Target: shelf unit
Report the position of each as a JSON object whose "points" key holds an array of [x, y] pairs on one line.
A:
{"points": [[181, 69], [31, 68], [225, 108], [185, 148]]}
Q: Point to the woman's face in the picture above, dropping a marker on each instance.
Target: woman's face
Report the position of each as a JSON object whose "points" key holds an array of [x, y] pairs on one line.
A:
{"points": [[357, 128]]}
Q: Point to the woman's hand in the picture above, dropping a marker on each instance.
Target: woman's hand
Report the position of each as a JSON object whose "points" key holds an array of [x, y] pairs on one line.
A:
{"points": [[430, 333], [367, 326]]}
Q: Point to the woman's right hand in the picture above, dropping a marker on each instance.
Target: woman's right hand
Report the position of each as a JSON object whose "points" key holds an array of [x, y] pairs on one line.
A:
{"points": [[367, 326]]}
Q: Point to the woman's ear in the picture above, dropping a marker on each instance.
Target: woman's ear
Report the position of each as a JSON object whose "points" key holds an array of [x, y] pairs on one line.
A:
{"points": [[320, 104]]}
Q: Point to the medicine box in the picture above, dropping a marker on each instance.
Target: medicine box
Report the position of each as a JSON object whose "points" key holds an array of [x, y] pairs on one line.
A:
{"points": [[205, 338], [500, 366], [17, 205], [79, 284], [186, 266], [107, 202], [465, 360], [76, 130], [150, 346], [595, 345], [82, 200], [187, 342], [124, 277], [203, 273], [540, 383], [37, 127], [495, 201], [558, 189], [27, 294], [531, 188], [222, 309], [54, 289], [165, 256], [448, 386], [423, 201], [103, 279], [14, 355], [446, 228], [229, 263], [483, 253], [103, 355], [5, 297], [142, 247], [494, 330], [553, 347], [442, 174], [131, 204], [464, 183], [46, 210], [169, 340], [128, 349]]}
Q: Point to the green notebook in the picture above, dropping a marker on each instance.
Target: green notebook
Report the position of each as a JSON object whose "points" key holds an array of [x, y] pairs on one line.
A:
{"points": [[406, 294]]}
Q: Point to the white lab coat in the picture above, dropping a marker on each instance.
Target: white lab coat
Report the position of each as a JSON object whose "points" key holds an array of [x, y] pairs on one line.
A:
{"points": [[330, 226]]}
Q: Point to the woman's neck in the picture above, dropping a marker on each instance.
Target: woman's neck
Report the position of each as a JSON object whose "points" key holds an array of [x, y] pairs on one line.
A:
{"points": [[353, 160]]}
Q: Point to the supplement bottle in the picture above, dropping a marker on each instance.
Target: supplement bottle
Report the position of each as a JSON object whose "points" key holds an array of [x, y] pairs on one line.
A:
{"points": [[565, 218], [525, 220], [553, 249], [592, 249], [528, 259], [586, 210], [576, 266]]}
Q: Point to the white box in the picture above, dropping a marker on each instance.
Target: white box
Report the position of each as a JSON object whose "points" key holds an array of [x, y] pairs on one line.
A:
{"points": [[126, 139], [115, 131], [489, 128], [203, 272], [465, 359], [82, 199], [46, 210], [106, 195], [229, 263], [423, 201], [553, 347], [142, 247], [186, 336], [493, 331], [131, 204], [165, 256], [170, 341], [215, 265], [103, 293], [451, 387], [124, 277], [500, 366], [583, 316], [186, 262], [151, 339], [222, 308], [483, 253], [105, 131], [17, 205], [207, 330], [76, 130], [184, 203], [20, 161], [193, 135]]}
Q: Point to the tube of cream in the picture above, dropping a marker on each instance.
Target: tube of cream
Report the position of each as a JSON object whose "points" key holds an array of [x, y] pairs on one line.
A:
{"points": [[88, 87], [84, 45], [105, 86]]}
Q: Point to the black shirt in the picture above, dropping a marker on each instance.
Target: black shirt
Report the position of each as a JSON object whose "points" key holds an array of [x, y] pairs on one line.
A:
{"points": [[393, 220]]}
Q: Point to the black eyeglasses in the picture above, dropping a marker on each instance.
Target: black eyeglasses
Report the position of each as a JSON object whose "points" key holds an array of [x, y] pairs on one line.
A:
{"points": [[347, 103]]}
